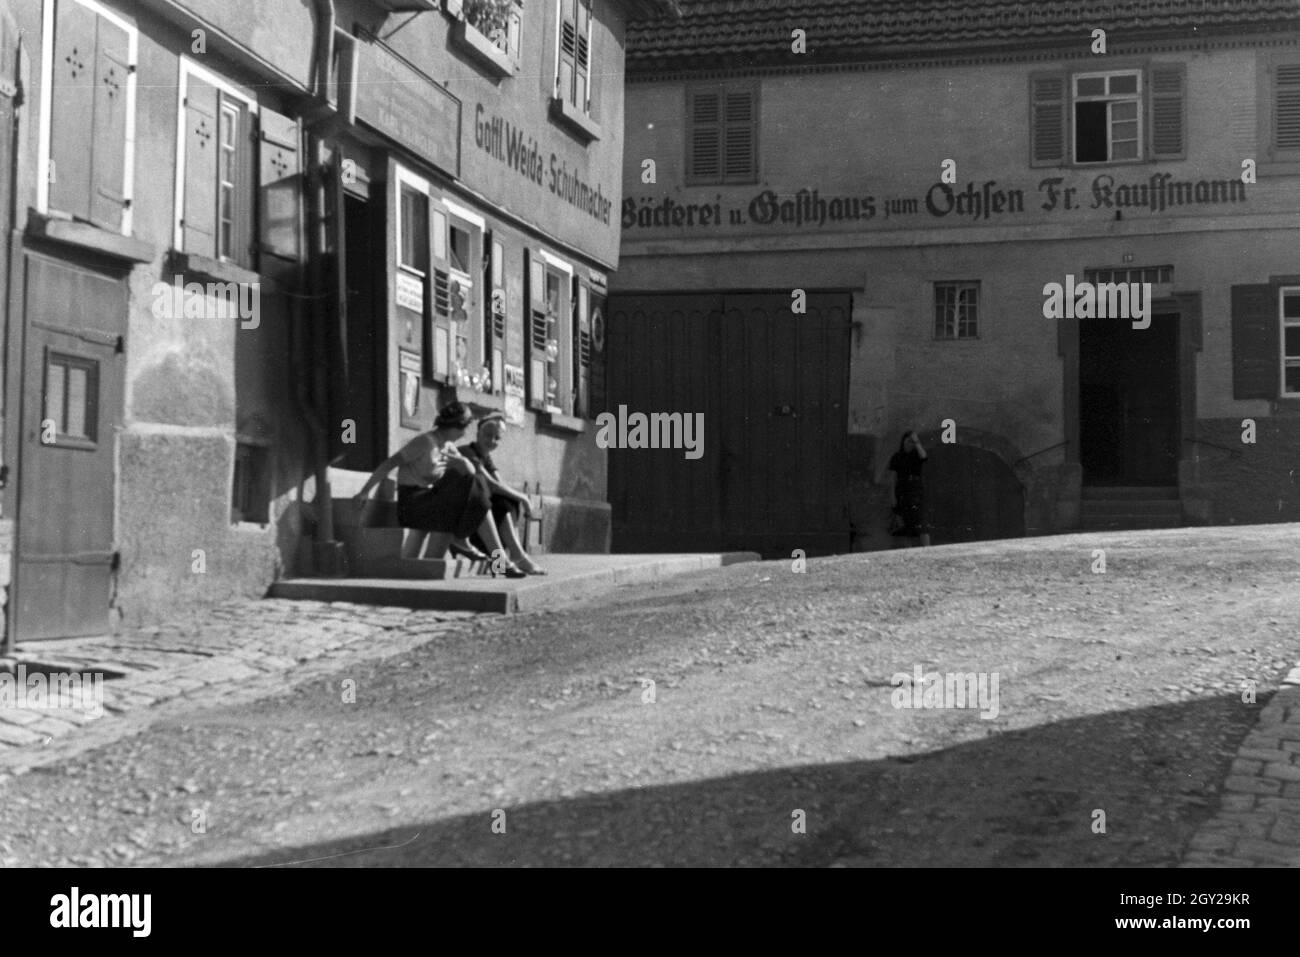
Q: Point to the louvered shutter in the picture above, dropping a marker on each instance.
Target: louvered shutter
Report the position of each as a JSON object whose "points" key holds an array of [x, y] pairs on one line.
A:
{"points": [[738, 139], [582, 349], [108, 160], [73, 109], [1286, 107], [1255, 348], [706, 136], [1168, 122], [596, 325], [1048, 107], [243, 246], [566, 68], [495, 299], [441, 341], [535, 330], [199, 204], [582, 57], [279, 184]]}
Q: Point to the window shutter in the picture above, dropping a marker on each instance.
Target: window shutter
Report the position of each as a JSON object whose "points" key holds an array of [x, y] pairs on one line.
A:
{"points": [[1048, 102], [706, 135], [582, 349], [535, 330], [108, 159], [566, 68], [599, 332], [1286, 107], [582, 58], [495, 281], [72, 116], [439, 279], [280, 184], [738, 141], [244, 252], [1168, 122], [199, 209], [1255, 347]]}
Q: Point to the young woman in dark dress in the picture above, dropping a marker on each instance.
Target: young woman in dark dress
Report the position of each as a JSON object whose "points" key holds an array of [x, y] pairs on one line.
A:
{"points": [[907, 488]]}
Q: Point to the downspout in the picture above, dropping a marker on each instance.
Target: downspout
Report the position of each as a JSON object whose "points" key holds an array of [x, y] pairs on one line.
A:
{"points": [[309, 379]]}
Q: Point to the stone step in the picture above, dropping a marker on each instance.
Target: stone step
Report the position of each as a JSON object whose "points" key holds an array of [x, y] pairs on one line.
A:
{"points": [[1130, 492], [1101, 523], [1154, 506]]}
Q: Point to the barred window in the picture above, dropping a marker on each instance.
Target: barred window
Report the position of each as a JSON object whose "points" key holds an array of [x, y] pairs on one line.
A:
{"points": [[956, 310]]}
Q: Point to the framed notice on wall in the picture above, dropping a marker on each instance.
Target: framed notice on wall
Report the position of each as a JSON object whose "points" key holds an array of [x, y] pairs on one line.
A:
{"points": [[408, 371], [514, 394]]}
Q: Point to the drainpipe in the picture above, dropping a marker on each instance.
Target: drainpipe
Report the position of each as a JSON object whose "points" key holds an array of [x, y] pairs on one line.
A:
{"points": [[328, 552]]}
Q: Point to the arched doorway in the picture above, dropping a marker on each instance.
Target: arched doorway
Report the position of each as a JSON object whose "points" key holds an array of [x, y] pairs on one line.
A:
{"points": [[971, 495]]}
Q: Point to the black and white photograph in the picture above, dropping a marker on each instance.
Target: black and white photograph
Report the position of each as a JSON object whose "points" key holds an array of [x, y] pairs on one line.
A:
{"points": [[632, 434]]}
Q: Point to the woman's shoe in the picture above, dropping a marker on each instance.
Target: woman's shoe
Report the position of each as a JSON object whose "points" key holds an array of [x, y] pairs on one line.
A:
{"points": [[510, 571], [473, 554], [530, 567]]}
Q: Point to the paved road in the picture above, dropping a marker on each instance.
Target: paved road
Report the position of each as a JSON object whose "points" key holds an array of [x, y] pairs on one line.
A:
{"points": [[772, 737]]}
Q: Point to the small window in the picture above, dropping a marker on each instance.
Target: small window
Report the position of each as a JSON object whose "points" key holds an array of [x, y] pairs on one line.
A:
{"points": [[71, 401], [956, 310], [460, 249], [1289, 308], [573, 57], [1156, 275], [251, 489], [415, 230], [1107, 117]]}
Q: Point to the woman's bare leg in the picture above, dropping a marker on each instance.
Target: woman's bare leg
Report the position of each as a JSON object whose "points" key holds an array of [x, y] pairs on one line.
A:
{"points": [[436, 545], [510, 538], [487, 530]]}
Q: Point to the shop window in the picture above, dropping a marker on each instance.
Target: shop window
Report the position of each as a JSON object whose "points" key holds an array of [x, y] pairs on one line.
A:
{"points": [[251, 487], [722, 140], [70, 414], [956, 310], [86, 172], [1289, 310], [573, 56], [1120, 116]]}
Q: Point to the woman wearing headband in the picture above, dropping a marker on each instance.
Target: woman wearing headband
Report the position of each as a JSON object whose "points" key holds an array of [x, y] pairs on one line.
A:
{"points": [[441, 492]]}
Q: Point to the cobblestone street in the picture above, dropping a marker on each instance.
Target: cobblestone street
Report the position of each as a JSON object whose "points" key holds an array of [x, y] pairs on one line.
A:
{"points": [[1120, 692]]}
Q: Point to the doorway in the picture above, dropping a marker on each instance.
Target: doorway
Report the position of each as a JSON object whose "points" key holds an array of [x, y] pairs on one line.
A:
{"points": [[365, 387], [1129, 407]]}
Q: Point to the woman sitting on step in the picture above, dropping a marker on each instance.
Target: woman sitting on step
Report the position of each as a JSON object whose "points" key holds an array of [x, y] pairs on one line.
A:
{"points": [[506, 502], [441, 492]]}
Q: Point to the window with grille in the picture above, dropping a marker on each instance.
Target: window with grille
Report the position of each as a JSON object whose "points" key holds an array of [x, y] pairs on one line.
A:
{"points": [[1156, 275], [956, 310], [722, 139]]}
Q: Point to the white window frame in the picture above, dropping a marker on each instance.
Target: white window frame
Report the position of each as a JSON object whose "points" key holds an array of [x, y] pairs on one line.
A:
{"points": [[958, 285], [189, 68], [564, 332], [1284, 324], [1138, 98], [405, 177], [47, 106]]}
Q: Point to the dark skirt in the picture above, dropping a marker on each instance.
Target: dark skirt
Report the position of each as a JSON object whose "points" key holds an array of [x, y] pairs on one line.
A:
{"points": [[455, 503], [911, 498]]}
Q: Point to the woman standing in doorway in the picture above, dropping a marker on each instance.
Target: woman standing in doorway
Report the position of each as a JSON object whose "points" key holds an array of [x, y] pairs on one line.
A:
{"points": [[907, 488]]}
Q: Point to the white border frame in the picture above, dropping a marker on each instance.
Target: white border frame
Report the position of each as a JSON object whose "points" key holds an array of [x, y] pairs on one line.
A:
{"points": [[187, 69], [46, 114], [1142, 107], [1282, 325]]}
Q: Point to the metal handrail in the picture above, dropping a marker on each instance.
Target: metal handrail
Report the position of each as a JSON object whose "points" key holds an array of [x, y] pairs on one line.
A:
{"points": [[1041, 451], [1214, 445]]}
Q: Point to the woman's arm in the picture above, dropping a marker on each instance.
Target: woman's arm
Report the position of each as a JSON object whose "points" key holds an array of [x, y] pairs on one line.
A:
{"points": [[920, 450]]}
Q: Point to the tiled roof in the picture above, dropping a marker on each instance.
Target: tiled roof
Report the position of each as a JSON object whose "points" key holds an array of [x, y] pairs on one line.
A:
{"points": [[712, 31]]}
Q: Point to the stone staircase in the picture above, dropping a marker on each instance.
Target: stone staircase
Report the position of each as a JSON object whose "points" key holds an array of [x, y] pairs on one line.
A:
{"points": [[1114, 507]]}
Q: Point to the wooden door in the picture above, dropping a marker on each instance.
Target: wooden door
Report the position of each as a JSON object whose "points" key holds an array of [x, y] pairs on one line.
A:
{"points": [[1151, 414], [72, 398], [773, 389]]}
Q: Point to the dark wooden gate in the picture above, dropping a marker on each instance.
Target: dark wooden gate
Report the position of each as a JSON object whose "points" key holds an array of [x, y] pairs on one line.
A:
{"points": [[72, 399], [773, 388]]}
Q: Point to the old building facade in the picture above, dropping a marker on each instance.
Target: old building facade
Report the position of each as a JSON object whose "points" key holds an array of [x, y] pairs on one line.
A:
{"points": [[252, 243], [843, 221]]}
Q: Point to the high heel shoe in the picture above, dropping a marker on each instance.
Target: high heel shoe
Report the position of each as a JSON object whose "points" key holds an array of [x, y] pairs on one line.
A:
{"points": [[473, 554], [510, 571]]}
